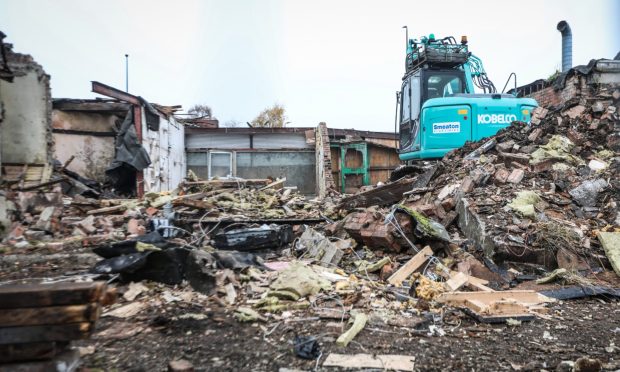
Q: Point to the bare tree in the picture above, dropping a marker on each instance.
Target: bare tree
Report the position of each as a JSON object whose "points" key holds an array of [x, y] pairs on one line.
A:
{"points": [[200, 111], [271, 117]]}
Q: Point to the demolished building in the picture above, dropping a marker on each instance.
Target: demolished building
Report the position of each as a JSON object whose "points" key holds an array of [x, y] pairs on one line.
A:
{"points": [[312, 159]]}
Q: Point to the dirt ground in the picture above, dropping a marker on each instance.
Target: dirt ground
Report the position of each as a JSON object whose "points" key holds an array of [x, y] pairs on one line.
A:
{"points": [[579, 328], [213, 340]]}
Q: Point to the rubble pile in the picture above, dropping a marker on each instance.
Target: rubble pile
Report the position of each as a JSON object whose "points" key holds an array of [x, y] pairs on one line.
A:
{"points": [[51, 218], [538, 193]]}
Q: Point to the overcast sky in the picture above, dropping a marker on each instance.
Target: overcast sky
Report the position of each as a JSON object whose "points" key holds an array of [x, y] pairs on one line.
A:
{"points": [[334, 61]]}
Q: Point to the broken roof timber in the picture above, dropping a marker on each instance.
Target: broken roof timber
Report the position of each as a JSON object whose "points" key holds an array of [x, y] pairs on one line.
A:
{"points": [[89, 105], [109, 91]]}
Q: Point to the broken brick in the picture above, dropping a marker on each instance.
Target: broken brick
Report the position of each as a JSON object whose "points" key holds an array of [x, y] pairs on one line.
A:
{"points": [[501, 175], [505, 146], [151, 211], [516, 176], [439, 212], [135, 227], [87, 225], [426, 209], [467, 185], [510, 157], [448, 204], [574, 111], [542, 166], [536, 133]]}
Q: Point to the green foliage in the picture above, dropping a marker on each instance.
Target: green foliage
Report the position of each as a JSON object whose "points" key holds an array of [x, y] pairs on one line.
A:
{"points": [[553, 76]]}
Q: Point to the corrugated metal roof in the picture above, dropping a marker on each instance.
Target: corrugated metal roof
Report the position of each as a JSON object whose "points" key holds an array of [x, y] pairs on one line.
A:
{"points": [[281, 141], [217, 141]]}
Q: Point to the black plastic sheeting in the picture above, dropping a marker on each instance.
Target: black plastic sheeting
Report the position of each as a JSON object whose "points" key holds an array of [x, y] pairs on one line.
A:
{"points": [[152, 116], [169, 264], [129, 156], [254, 238], [569, 293], [307, 347], [560, 82], [165, 266], [129, 246]]}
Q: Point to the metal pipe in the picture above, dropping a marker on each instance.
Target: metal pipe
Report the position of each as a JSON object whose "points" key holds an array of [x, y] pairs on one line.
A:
{"points": [[127, 73], [567, 45], [396, 119]]}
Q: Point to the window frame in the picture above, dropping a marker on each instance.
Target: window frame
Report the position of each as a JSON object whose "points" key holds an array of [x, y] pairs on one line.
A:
{"points": [[230, 164], [426, 74]]}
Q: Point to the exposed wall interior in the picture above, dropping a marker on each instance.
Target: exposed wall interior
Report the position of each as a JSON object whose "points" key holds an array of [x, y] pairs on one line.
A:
{"points": [[26, 131], [87, 136]]}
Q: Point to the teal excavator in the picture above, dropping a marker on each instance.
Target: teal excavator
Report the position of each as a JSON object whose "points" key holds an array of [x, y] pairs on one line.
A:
{"points": [[438, 107]]}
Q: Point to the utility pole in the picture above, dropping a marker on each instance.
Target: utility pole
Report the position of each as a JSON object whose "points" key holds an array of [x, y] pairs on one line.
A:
{"points": [[127, 73]]}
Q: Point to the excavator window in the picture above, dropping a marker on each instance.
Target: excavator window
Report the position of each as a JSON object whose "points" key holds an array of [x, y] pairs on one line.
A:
{"points": [[442, 84]]}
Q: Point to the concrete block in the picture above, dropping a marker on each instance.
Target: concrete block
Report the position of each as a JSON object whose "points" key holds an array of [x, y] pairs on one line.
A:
{"points": [[474, 228]]}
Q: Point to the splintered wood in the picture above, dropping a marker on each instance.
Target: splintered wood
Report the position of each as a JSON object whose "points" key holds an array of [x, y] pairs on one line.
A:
{"points": [[492, 307], [412, 265]]}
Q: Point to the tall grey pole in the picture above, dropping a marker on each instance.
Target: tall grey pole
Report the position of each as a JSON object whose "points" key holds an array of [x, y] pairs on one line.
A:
{"points": [[127, 73]]}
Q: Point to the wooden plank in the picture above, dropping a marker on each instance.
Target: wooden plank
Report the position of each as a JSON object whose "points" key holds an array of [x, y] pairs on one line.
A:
{"points": [[471, 279], [474, 283], [199, 204], [228, 183], [475, 305], [412, 265], [457, 281], [42, 333], [479, 287], [54, 294], [49, 315], [387, 194], [279, 184], [366, 361], [523, 296], [507, 308]]}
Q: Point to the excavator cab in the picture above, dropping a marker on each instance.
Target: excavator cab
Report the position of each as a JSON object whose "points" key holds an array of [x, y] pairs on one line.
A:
{"points": [[419, 87], [438, 108]]}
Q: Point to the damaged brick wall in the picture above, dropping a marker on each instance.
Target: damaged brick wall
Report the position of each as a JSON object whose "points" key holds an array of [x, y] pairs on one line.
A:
{"points": [[550, 97], [603, 77], [324, 178], [26, 133]]}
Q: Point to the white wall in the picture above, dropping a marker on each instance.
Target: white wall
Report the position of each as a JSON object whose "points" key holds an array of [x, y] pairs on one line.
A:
{"points": [[167, 151]]}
